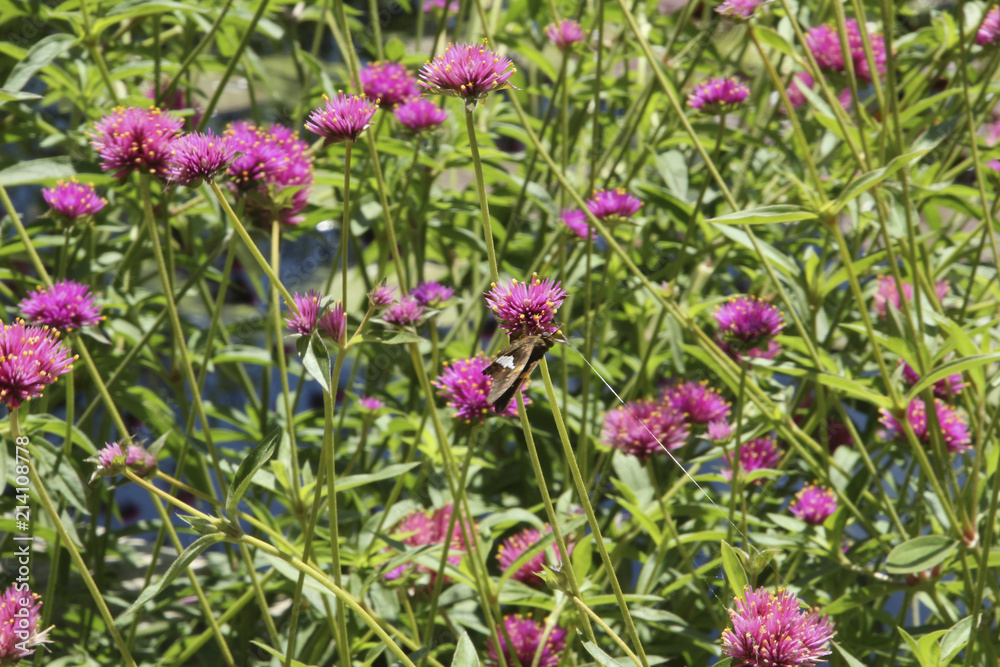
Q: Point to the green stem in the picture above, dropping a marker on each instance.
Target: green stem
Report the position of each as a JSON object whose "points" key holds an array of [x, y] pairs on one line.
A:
{"points": [[345, 225], [484, 206], [387, 214]]}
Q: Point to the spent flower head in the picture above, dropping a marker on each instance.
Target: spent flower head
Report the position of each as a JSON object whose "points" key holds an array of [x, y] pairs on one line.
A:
{"points": [[199, 157], [814, 504], [389, 83], [758, 454], [954, 429], [20, 618], [71, 201], [718, 96], [420, 114], [565, 33], [513, 547], [526, 638], [644, 427], [342, 118], [469, 71], [65, 306], [616, 203], [132, 139], [746, 322], [770, 630], [526, 309], [31, 358]]}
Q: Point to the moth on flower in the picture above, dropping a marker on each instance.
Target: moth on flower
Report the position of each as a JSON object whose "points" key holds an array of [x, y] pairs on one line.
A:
{"points": [[513, 367]]}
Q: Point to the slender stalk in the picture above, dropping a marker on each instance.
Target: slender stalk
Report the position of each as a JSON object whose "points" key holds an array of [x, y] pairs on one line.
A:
{"points": [[484, 206], [345, 225]]}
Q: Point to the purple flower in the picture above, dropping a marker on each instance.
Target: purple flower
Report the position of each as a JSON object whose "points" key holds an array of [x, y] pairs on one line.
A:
{"points": [[699, 403], [421, 529], [513, 547], [382, 296], [197, 157], [449, 6], [994, 165], [420, 114], [464, 386], [30, 359], [954, 430], [526, 309], [824, 43], [576, 220], [746, 323], [719, 431], [114, 458], [644, 427], [825, 46], [856, 43], [813, 504], [565, 33], [525, 642], [944, 388], [989, 31], [405, 313], [431, 294], [135, 140], [370, 403], [343, 118], [71, 200], [273, 159], [737, 355], [799, 82], [718, 96], [739, 9], [20, 616], [770, 630], [886, 293], [304, 322], [389, 83], [615, 203], [469, 71], [65, 306], [333, 323], [757, 454]]}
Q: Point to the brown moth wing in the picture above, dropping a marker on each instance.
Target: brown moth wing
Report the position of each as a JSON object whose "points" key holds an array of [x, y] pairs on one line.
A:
{"points": [[513, 366]]}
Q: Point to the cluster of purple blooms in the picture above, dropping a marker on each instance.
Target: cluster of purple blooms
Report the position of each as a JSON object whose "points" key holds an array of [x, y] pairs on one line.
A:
{"points": [[528, 639], [20, 618], [824, 42], [718, 96], [71, 201], [953, 428], [526, 308], [65, 306], [31, 358], [989, 30], [769, 629], [814, 504], [515, 546], [611, 206], [313, 315], [757, 454], [469, 71], [747, 327], [565, 33], [887, 294], [114, 458], [465, 388], [422, 528]]}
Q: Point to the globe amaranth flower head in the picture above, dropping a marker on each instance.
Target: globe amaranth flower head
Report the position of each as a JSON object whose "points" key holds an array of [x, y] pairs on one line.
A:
{"points": [[64, 306], [770, 630], [527, 639], [420, 114], [382, 296], [644, 427], [431, 293], [31, 358], [313, 315], [746, 322], [419, 529], [824, 43], [565, 33], [954, 430], [370, 403], [20, 617], [699, 403], [757, 454], [115, 458], [464, 386], [616, 203], [886, 294], [405, 313], [469, 71], [798, 82], [526, 309], [272, 172], [718, 96], [198, 157], [131, 139], [516, 545], [740, 10], [576, 221], [989, 31], [342, 118], [814, 504], [71, 200], [946, 387], [389, 83]]}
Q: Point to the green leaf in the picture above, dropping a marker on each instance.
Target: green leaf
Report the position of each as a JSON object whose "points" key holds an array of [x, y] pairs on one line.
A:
{"points": [[957, 366], [247, 354], [41, 55], [391, 337], [765, 215], [919, 554], [848, 658], [853, 389], [276, 653], [733, 565], [16, 96], [955, 639], [774, 40], [674, 172], [873, 178], [923, 657], [182, 563], [395, 50], [254, 461], [465, 653], [779, 258], [389, 472], [316, 358], [45, 171], [600, 656]]}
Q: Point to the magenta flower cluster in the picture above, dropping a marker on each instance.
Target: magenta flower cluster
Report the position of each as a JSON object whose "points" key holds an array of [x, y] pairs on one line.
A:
{"points": [[740, 10], [342, 118], [644, 427], [65, 306], [114, 458], [989, 30], [132, 139], [469, 71], [71, 200], [527, 640], [406, 313], [576, 221], [20, 618], [814, 504], [465, 388], [746, 325], [946, 387], [419, 529], [383, 295], [431, 293], [770, 630], [526, 309], [312, 315], [420, 114], [886, 294], [757, 454], [515, 546], [565, 33], [370, 403], [389, 83], [954, 430], [718, 96], [200, 157], [613, 204], [31, 358], [824, 43]]}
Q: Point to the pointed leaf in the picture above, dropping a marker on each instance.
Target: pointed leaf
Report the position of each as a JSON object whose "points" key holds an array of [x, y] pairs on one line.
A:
{"points": [[919, 554], [316, 358], [600, 656], [873, 178], [465, 653], [733, 565], [254, 461], [765, 215], [391, 337], [957, 366]]}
